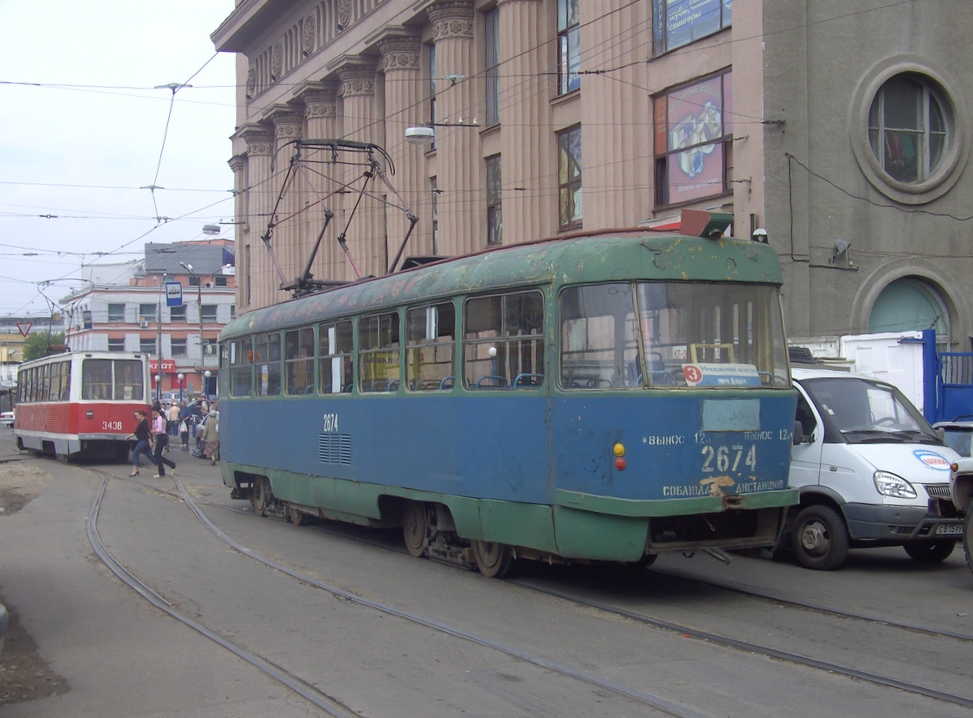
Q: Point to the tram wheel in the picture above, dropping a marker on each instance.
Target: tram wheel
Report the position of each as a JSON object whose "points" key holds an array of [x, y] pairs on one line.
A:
{"points": [[259, 494], [415, 527], [929, 552], [493, 559], [647, 560], [819, 538], [297, 517]]}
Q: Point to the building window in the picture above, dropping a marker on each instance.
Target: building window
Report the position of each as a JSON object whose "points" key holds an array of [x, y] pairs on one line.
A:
{"points": [[208, 312], [569, 178], [193, 280], [907, 128], [492, 19], [220, 281], [680, 22], [210, 347], [692, 141], [569, 46], [116, 345], [233, 311], [178, 347], [147, 312], [177, 314], [147, 345], [494, 215], [116, 312]]}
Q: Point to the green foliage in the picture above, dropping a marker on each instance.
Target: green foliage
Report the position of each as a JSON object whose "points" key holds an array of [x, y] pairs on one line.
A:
{"points": [[41, 344]]}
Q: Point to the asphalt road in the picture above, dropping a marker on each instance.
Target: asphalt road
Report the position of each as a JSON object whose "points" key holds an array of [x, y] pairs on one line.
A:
{"points": [[120, 656]]}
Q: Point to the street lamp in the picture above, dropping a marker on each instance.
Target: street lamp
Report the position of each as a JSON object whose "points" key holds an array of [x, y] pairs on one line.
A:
{"points": [[199, 301], [206, 375], [426, 134], [158, 387], [180, 376]]}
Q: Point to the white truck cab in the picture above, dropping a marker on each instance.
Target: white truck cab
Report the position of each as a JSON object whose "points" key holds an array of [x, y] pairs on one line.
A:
{"points": [[871, 472]]}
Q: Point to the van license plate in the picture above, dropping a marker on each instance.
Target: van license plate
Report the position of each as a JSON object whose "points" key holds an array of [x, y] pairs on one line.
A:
{"points": [[949, 530]]}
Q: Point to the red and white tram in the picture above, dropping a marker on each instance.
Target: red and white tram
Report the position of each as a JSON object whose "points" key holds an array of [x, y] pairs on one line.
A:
{"points": [[81, 404]]}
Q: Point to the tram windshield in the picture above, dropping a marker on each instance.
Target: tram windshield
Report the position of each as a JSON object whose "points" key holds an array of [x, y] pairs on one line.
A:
{"points": [[112, 379], [664, 334]]}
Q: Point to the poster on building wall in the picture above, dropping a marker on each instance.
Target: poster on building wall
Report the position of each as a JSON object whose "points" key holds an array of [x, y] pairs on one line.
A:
{"points": [[695, 122], [687, 20]]}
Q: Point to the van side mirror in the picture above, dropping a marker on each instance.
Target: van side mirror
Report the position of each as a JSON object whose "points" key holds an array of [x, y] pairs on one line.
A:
{"points": [[798, 433], [940, 432]]}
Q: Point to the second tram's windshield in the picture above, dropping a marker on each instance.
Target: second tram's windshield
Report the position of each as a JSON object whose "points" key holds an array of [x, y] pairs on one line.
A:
{"points": [[666, 334], [112, 379]]}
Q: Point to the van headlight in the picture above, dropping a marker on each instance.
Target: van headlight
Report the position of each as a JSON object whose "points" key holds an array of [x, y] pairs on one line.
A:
{"points": [[892, 485]]}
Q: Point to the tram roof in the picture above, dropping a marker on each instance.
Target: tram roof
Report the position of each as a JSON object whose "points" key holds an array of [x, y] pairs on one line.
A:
{"points": [[606, 256]]}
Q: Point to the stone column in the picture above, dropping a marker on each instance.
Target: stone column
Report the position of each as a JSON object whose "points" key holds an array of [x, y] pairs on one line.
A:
{"points": [[404, 108], [241, 230], [361, 122], [320, 114], [461, 171], [288, 241], [262, 276], [528, 146], [614, 131]]}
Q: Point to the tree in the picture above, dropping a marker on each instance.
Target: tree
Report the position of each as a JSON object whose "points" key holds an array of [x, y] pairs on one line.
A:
{"points": [[41, 344]]}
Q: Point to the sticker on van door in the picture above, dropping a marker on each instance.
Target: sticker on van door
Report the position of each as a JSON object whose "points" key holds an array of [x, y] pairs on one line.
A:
{"points": [[932, 459]]}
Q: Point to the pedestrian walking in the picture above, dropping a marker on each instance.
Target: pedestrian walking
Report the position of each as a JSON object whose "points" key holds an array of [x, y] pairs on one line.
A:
{"points": [[161, 439], [211, 437], [143, 441], [185, 415]]}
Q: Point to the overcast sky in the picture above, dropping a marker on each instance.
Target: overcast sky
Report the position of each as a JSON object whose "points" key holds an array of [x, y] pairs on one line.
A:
{"points": [[82, 129]]}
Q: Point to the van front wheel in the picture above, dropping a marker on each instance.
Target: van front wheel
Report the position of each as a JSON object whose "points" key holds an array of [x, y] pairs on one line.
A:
{"points": [[929, 551], [819, 538]]}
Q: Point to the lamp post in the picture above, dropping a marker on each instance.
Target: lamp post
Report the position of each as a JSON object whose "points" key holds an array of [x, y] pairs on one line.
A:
{"points": [[206, 375], [180, 376], [199, 301], [158, 386]]}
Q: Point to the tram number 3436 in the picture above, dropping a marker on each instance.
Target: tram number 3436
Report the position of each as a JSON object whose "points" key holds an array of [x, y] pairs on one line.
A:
{"points": [[111, 426], [728, 458]]}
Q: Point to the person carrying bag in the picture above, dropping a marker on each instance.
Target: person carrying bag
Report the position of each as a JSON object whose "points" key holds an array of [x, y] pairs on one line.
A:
{"points": [[161, 438]]}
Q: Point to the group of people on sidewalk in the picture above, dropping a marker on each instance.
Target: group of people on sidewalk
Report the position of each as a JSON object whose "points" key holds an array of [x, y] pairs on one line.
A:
{"points": [[153, 439]]}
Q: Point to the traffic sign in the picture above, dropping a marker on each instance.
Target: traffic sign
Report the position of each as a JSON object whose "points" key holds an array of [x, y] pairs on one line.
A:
{"points": [[24, 327], [173, 294]]}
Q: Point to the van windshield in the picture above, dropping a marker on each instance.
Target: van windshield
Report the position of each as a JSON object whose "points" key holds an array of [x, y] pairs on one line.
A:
{"points": [[868, 412]]}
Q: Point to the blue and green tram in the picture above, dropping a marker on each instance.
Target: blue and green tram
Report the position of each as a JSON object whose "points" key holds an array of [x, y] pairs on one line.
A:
{"points": [[591, 398]]}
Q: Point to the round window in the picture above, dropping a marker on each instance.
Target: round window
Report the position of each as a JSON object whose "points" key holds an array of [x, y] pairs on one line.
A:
{"points": [[910, 137]]}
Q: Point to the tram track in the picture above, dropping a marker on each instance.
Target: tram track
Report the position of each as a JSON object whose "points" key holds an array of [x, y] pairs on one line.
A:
{"points": [[330, 705], [635, 616], [749, 646]]}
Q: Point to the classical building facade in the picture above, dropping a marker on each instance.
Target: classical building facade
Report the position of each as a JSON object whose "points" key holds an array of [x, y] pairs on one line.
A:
{"points": [[125, 308], [839, 132]]}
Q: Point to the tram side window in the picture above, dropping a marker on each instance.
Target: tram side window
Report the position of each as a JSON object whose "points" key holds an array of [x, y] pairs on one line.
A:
{"points": [[65, 380], [266, 355], [241, 368], [128, 380], [503, 343], [378, 353], [336, 367], [430, 338], [55, 388], [299, 360], [96, 379], [599, 344]]}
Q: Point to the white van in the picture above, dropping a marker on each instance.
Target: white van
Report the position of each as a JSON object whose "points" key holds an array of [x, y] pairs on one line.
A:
{"points": [[871, 472]]}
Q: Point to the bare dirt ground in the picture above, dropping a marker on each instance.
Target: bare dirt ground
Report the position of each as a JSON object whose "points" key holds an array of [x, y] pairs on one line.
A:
{"points": [[24, 674]]}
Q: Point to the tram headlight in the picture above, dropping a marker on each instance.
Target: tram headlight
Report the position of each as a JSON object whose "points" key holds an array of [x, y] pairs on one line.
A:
{"points": [[893, 486]]}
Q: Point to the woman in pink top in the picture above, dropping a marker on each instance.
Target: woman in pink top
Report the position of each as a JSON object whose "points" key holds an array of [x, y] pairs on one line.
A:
{"points": [[161, 441]]}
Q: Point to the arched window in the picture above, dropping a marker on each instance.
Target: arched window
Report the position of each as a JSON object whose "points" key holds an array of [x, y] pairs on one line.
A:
{"points": [[909, 304]]}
